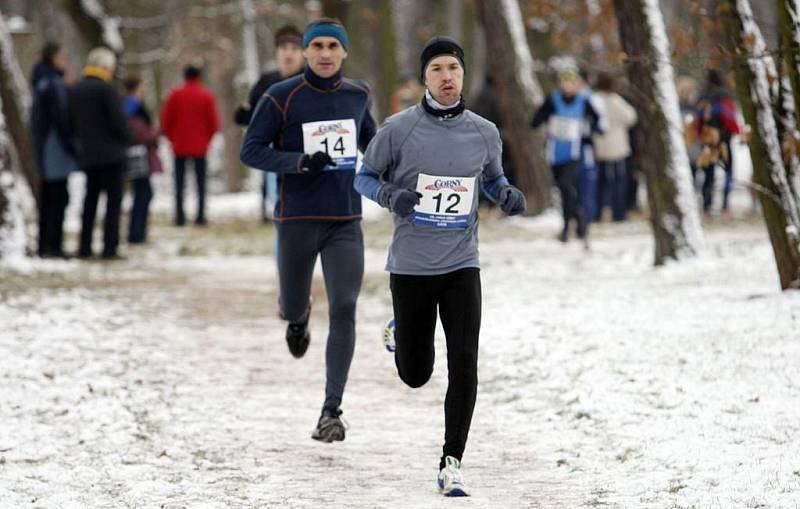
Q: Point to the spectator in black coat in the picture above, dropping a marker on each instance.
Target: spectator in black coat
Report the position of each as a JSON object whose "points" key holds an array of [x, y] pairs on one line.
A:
{"points": [[103, 136], [289, 57], [54, 151]]}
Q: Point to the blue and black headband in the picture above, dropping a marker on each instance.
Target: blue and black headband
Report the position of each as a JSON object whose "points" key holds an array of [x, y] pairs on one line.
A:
{"points": [[326, 30]]}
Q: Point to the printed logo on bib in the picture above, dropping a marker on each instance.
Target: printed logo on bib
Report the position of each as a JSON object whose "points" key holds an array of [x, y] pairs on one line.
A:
{"points": [[446, 201], [564, 128], [337, 138]]}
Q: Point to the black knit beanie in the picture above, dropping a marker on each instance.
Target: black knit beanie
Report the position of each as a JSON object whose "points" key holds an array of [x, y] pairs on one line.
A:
{"points": [[438, 46]]}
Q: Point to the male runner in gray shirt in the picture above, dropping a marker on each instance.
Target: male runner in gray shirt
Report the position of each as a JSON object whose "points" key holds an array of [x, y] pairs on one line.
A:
{"points": [[436, 157]]}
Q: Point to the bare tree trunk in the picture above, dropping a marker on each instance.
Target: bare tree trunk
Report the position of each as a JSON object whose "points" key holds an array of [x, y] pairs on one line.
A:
{"points": [[96, 26], [789, 15], [511, 65], [454, 14], [408, 19], [388, 54], [252, 65], [13, 237], [758, 84], [225, 53], [16, 108], [336, 9], [665, 162]]}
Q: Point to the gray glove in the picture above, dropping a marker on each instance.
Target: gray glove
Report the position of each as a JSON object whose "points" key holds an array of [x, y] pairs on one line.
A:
{"points": [[512, 201], [400, 201]]}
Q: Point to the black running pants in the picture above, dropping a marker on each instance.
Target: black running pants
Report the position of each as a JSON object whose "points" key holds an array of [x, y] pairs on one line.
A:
{"points": [[340, 244], [457, 295]]}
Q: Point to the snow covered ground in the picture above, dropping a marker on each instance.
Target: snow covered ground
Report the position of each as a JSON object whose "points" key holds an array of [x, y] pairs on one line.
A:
{"points": [[164, 380]]}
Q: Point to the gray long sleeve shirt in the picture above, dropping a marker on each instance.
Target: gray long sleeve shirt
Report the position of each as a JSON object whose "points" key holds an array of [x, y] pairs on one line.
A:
{"points": [[459, 149]]}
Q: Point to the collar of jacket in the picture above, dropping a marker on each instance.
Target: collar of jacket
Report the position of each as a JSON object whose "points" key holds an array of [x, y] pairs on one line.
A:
{"points": [[449, 113], [97, 72], [45, 70], [324, 84]]}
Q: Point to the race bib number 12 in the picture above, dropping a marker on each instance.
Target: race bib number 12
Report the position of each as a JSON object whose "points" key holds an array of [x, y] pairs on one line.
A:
{"points": [[337, 138], [446, 201]]}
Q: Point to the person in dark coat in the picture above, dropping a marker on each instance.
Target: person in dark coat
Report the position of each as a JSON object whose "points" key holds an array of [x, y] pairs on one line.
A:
{"points": [[289, 57], [145, 138], [103, 137], [53, 147]]}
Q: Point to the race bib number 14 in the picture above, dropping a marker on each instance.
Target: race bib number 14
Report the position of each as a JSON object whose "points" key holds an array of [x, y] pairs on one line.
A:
{"points": [[337, 138], [446, 201]]}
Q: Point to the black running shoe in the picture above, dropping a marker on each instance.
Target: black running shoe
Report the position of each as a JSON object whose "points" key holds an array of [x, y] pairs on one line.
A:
{"points": [[330, 427], [298, 338]]}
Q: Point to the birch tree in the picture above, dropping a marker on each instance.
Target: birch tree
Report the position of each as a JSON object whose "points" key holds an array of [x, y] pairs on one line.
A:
{"points": [[251, 62], [16, 99], [94, 24], [12, 220], [673, 207], [758, 84], [518, 92], [13, 189], [789, 13]]}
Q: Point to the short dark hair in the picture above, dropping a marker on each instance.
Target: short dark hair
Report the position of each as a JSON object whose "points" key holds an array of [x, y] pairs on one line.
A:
{"points": [[191, 72], [49, 51], [716, 78], [288, 34], [605, 82], [131, 83]]}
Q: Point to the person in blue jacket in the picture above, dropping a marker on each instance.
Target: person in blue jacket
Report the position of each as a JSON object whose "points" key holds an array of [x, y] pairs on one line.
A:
{"points": [[308, 129], [565, 111], [54, 151]]}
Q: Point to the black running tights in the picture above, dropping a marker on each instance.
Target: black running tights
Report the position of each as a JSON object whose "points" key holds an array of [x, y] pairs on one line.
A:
{"points": [[458, 297]]}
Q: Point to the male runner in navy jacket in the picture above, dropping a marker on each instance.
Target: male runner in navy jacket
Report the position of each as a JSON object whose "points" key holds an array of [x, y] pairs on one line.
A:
{"points": [[316, 122]]}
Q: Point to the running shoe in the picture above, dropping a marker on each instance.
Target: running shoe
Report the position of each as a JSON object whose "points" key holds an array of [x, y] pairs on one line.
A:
{"points": [[298, 338], [450, 480], [388, 335], [330, 427]]}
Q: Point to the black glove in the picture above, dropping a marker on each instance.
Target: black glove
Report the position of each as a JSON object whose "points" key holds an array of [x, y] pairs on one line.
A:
{"points": [[512, 201], [315, 163], [400, 201], [242, 115]]}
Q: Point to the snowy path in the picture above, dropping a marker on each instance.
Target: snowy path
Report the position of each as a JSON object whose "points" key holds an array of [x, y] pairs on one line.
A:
{"points": [[166, 383]]}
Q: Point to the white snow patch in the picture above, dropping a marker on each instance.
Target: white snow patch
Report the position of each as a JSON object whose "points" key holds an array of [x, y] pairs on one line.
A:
{"points": [[603, 382]]}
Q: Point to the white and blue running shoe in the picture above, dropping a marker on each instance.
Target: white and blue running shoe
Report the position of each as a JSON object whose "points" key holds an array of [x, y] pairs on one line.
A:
{"points": [[451, 483], [388, 335]]}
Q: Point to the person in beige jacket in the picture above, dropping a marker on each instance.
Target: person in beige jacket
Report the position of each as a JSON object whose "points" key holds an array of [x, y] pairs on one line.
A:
{"points": [[613, 147]]}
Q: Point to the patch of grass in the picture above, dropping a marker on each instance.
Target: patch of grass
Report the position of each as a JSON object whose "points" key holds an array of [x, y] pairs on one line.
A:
{"points": [[676, 485], [625, 455], [597, 495]]}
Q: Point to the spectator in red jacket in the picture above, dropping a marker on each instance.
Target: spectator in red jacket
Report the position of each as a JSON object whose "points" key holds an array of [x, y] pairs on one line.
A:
{"points": [[717, 124], [189, 119]]}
